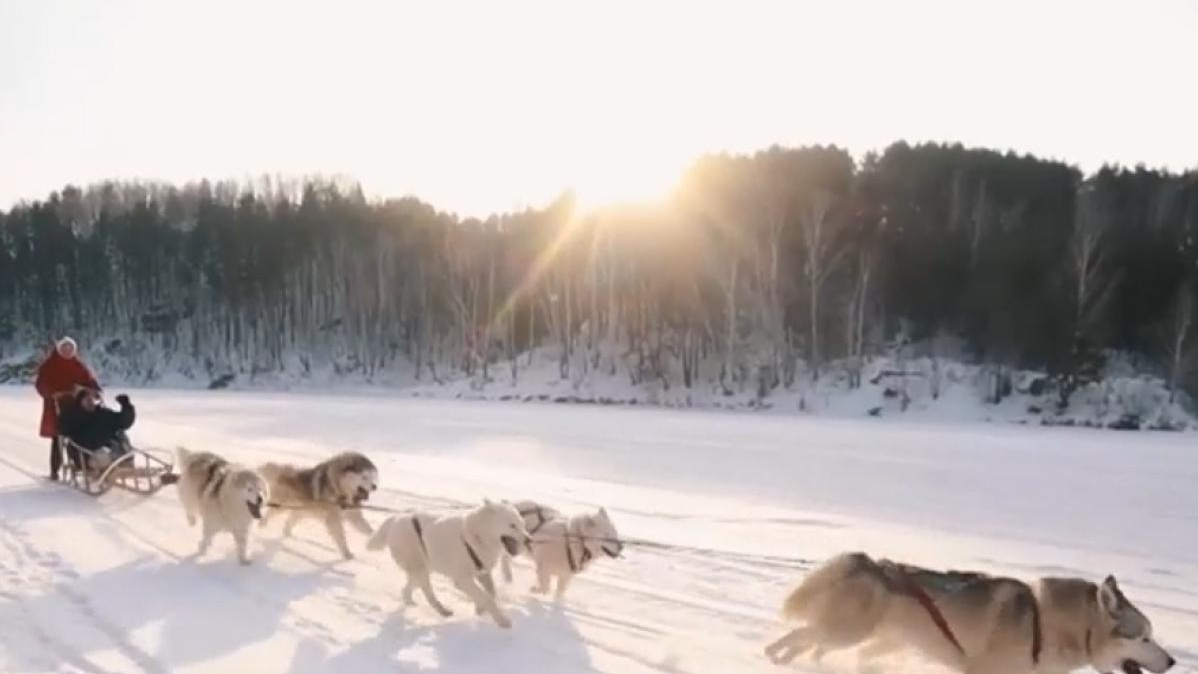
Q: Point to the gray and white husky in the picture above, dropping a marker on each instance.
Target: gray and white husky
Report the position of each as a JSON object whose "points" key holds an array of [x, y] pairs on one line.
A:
{"points": [[330, 491], [971, 622]]}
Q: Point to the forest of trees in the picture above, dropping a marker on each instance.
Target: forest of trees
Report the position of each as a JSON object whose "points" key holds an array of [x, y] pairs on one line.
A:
{"points": [[759, 271]]}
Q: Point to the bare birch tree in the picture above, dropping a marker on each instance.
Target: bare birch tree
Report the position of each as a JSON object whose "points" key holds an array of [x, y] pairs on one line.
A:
{"points": [[821, 259], [1092, 284], [1176, 339]]}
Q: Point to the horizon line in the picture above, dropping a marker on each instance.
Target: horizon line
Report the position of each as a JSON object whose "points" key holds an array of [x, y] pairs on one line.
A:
{"points": [[382, 196]]}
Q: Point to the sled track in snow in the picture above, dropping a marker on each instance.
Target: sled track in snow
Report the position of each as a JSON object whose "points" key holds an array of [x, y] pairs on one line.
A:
{"points": [[23, 566]]}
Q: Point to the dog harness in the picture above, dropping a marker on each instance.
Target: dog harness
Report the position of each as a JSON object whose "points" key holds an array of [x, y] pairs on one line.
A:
{"points": [[478, 563], [925, 600], [1038, 634], [474, 558], [213, 481], [419, 534], [929, 605], [576, 566], [541, 519]]}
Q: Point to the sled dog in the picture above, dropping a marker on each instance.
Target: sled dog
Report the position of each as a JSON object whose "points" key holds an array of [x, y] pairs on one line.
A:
{"points": [[224, 496], [563, 547], [971, 622], [326, 491], [464, 547], [535, 516]]}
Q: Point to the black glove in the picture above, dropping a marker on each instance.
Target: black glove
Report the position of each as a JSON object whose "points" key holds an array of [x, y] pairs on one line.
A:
{"points": [[123, 399]]}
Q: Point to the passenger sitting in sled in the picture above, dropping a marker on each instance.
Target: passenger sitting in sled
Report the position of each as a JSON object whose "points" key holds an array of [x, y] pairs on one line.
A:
{"points": [[90, 425]]}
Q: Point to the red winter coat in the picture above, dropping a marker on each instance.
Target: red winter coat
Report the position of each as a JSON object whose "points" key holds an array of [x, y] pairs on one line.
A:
{"points": [[59, 375]]}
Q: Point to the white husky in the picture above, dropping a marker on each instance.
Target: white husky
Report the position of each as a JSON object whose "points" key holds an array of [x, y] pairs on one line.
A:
{"points": [[563, 547], [535, 516], [463, 547], [225, 496]]}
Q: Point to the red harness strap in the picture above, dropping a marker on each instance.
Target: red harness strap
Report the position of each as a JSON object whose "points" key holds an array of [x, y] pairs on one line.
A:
{"points": [[937, 617], [930, 606]]}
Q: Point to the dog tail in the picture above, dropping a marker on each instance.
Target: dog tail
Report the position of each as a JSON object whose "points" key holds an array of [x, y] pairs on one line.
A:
{"points": [[796, 602], [835, 570], [378, 540]]}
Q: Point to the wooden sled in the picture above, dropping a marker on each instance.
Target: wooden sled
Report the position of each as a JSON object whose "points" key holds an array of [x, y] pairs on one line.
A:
{"points": [[139, 471]]}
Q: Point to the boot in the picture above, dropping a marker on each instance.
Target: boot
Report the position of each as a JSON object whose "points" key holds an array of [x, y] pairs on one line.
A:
{"points": [[55, 459]]}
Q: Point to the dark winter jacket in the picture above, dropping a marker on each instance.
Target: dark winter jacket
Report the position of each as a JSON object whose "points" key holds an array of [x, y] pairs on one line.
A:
{"points": [[98, 428]]}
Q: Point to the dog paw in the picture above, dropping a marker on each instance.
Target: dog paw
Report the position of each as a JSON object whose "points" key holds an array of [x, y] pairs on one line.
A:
{"points": [[503, 621], [245, 561], [445, 613], [478, 610]]}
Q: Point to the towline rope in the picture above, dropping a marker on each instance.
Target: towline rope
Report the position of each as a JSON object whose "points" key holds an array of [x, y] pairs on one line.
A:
{"points": [[800, 562]]}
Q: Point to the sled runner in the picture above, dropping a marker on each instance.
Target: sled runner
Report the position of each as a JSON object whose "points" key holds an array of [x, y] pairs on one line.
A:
{"points": [[134, 470]]}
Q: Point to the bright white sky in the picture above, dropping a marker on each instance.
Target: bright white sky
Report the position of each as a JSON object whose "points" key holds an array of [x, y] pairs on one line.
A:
{"points": [[490, 105]]}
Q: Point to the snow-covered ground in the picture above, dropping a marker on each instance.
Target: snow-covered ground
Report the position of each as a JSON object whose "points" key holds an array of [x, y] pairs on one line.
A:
{"points": [[746, 501]]}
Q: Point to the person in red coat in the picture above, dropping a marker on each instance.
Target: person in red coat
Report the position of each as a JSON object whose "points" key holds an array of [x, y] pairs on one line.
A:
{"points": [[60, 374]]}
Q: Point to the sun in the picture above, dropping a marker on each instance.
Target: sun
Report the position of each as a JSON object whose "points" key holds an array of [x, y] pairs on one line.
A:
{"points": [[628, 183]]}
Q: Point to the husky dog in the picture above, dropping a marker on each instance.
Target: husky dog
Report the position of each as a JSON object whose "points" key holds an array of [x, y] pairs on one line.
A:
{"points": [[225, 496], [463, 547], [327, 491], [563, 547], [970, 622]]}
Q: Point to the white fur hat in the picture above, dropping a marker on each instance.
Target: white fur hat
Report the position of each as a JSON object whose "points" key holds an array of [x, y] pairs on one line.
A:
{"points": [[66, 341]]}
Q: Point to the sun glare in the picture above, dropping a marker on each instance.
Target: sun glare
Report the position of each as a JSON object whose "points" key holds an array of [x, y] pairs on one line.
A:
{"points": [[634, 183]]}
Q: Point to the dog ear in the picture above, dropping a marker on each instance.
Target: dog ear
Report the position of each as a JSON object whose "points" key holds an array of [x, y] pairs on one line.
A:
{"points": [[1109, 596], [487, 502]]}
